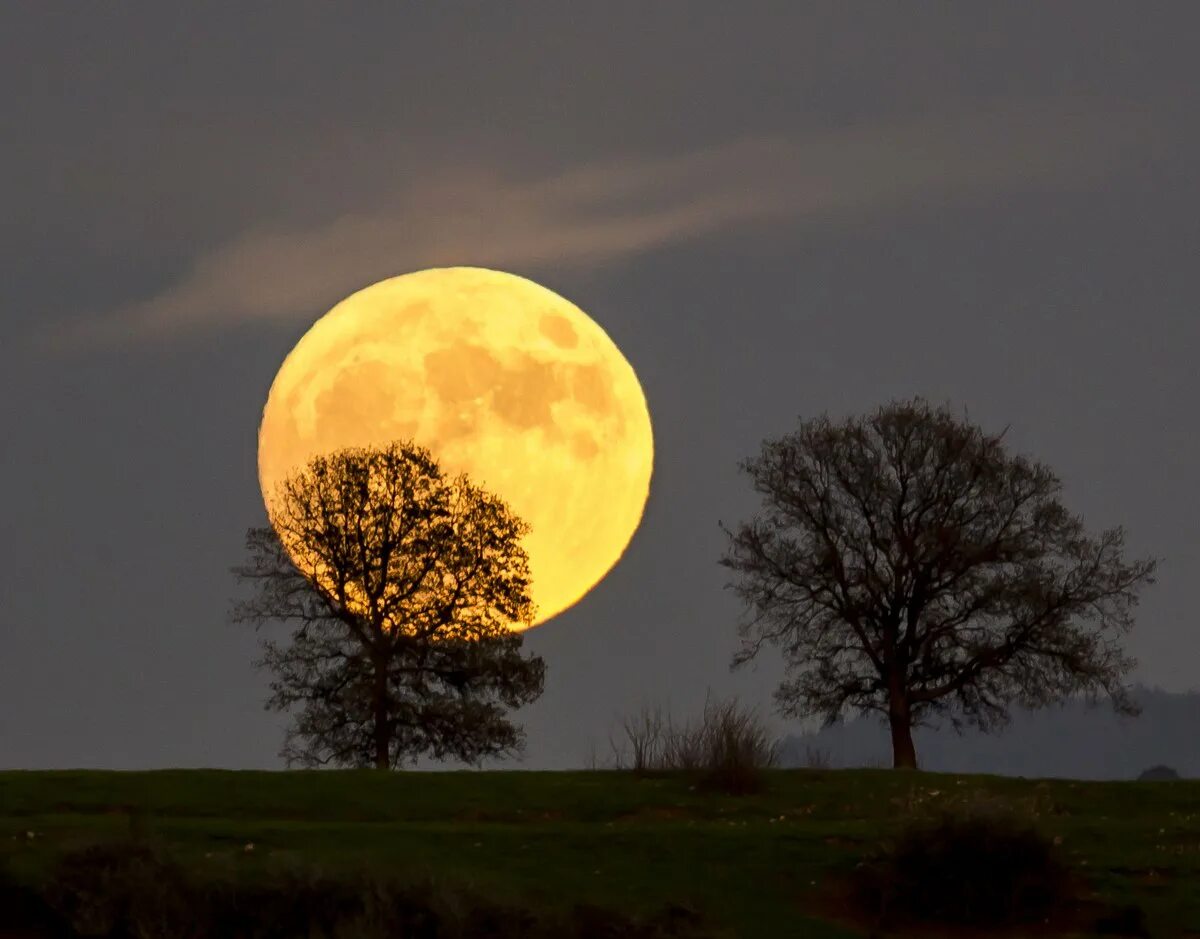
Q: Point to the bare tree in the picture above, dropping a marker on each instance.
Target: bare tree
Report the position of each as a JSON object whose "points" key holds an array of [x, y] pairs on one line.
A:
{"points": [[401, 585], [906, 563]]}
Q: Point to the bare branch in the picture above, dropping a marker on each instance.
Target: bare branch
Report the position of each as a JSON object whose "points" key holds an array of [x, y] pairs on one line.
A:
{"points": [[402, 588], [905, 562]]}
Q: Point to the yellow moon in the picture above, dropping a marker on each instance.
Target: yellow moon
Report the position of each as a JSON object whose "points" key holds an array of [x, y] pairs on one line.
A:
{"points": [[501, 379]]}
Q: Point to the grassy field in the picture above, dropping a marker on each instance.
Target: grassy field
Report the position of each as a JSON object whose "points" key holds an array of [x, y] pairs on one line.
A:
{"points": [[753, 865]]}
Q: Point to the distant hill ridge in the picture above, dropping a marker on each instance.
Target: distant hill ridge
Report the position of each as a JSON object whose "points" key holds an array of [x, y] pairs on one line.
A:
{"points": [[1071, 741]]}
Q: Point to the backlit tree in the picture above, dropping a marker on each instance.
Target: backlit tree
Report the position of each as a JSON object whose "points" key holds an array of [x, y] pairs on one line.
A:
{"points": [[400, 585]]}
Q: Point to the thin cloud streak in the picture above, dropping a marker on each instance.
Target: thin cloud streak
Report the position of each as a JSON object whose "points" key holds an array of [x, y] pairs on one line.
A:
{"points": [[612, 210]]}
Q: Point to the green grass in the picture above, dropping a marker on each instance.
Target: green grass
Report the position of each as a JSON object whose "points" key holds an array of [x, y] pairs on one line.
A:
{"points": [[748, 864]]}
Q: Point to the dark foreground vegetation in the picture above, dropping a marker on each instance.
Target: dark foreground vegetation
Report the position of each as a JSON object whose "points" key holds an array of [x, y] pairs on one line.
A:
{"points": [[134, 888], [593, 854]]}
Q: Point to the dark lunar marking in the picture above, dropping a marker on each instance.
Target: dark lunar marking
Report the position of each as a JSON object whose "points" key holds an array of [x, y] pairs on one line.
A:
{"points": [[362, 389], [559, 331], [462, 372], [528, 391], [591, 387], [521, 393], [452, 426], [584, 445], [287, 409], [414, 312]]}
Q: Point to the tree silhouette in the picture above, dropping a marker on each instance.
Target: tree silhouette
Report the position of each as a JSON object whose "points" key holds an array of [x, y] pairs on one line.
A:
{"points": [[905, 563], [400, 584]]}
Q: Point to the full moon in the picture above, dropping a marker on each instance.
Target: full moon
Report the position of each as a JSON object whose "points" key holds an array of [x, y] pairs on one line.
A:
{"points": [[500, 379]]}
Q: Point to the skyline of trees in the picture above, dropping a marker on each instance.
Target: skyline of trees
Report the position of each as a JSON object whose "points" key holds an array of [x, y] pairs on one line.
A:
{"points": [[904, 562]]}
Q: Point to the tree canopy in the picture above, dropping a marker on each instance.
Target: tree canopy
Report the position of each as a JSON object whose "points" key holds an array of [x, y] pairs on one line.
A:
{"points": [[401, 586], [906, 563]]}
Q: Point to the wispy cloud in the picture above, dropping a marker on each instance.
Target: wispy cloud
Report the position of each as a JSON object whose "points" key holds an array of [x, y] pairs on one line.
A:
{"points": [[614, 209]]}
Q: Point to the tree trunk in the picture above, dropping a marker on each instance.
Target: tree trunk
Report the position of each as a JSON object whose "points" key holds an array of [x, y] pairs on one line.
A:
{"points": [[904, 754], [379, 707]]}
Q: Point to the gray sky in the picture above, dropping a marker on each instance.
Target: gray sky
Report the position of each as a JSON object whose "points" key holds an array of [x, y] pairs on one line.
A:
{"points": [[775, 210]]}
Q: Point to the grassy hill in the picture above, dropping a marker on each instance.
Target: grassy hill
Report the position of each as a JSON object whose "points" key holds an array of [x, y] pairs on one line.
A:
{"points": [[751, 866]]}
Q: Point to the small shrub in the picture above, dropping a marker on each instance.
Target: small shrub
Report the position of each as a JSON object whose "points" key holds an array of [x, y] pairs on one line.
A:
{"points": [[729, 746], [1158, 774], [978, 868], [645, 746], [686, 748], [737, 749]]}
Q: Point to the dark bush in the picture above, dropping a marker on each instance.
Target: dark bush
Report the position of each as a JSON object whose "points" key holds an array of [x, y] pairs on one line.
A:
{"points": [[728, 746], [127, 889], [134, 890], [279, 905], [593, 922], [973, 868], [23, 910], [1158, 774], [1125, 921], [737, 749]]}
